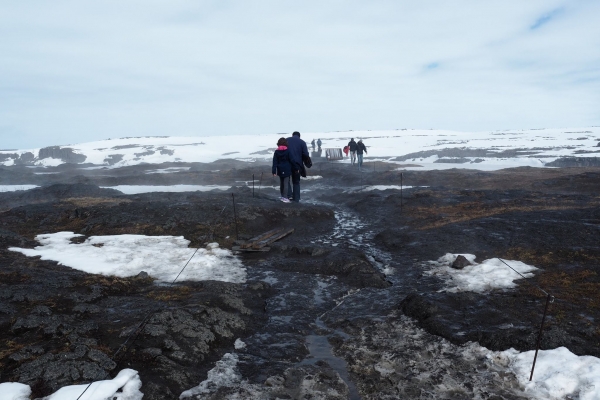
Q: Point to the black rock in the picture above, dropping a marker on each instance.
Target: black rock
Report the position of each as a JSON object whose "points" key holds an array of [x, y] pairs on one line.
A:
{"points": [[460, 262]]}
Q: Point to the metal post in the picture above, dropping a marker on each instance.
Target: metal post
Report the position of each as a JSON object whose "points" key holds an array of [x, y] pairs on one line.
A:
{"points": [[237, 236], [549, 299], [401, 196], [252, 185]]}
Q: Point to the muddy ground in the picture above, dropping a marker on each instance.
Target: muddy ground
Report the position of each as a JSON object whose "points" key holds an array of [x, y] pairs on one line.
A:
{"points": [[327, 305]]}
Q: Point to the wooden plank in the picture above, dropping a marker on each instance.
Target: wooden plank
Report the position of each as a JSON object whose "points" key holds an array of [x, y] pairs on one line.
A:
{"points": [[260, 237], [271, 239], [238, 248]]}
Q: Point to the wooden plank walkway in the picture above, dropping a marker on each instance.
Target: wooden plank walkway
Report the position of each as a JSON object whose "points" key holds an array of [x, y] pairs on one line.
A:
{"points": [[260, 242]]}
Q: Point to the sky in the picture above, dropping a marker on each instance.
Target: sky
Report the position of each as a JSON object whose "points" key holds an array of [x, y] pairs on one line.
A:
{"points": [[73, 72]]}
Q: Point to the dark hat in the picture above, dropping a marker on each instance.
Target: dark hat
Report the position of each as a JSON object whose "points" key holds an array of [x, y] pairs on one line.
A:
{"points": [[296, 133]]}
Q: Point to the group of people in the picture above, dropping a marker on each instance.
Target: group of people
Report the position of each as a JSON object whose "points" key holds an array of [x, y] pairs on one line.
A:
{"points": [[356, 151], [319, 143], [291, 159]]}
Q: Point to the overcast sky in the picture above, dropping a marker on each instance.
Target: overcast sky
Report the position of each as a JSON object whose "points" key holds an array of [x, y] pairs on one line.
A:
{"points": [[77, 71]]}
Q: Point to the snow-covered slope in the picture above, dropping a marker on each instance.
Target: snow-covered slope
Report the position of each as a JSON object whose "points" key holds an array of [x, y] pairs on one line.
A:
{"points": [[434, 149]]}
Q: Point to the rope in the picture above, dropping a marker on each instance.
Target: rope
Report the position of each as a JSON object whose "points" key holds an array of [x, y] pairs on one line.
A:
{"points": [[140, 327], [531, 284], [145, 321]]}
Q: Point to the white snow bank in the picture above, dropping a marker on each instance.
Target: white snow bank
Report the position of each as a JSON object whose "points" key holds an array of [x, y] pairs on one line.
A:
{"points": [[490, 274], [136, 189], [169, 170], [50, 162], [224, 374], [162, 257], [14, 188], [14, 391], [312, 177], [125, 386], [558, 373], [384, 187]]}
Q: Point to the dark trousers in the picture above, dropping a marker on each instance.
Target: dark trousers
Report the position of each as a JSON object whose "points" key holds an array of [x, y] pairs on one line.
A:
{"points": [[284, 182], [296, 184]]}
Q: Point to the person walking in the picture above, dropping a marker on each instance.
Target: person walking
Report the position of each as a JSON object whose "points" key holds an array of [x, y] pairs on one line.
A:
{"points": [[313, 144], [360, 147], [319, 143], [282, 167], [353, 147], [298, 153]]}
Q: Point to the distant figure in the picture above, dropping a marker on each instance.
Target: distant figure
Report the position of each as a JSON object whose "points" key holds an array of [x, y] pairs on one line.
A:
{"points": [[319, 143], [353, 147], [298, 153], [313, 144], [346, 150], [282, 166], [360, 147]]}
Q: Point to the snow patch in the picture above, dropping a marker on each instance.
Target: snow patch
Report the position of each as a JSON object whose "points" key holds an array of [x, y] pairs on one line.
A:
{"points": [[14, 188], [125, 386], [489, 275], [14, 391], [559, 374], [162, 257], [385, 187]]}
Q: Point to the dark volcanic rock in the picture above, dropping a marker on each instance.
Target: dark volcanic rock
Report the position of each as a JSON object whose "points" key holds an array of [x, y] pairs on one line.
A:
{"points": [[575, 162], [62, 153], [460, 262]]}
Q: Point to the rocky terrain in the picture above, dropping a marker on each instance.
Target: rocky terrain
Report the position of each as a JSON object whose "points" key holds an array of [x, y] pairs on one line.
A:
{"points": [[342, 308]]}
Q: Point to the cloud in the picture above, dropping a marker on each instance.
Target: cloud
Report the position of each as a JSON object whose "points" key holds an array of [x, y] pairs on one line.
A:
{"points": [[76, 71], [544, 19]]}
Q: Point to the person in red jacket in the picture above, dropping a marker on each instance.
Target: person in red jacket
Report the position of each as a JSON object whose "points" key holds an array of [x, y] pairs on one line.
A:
{"points": [[346, 150]]}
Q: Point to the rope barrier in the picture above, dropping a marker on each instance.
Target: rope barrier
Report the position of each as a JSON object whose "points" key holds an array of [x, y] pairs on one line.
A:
{"points": [[522, 276], [145, 321], [549, 299]]}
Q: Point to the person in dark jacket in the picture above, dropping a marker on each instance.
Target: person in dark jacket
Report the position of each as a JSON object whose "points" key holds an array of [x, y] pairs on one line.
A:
{"points": [[313, 144], [319, 143], [298, 153], [353, 147], [360, 147], [282, 167]]}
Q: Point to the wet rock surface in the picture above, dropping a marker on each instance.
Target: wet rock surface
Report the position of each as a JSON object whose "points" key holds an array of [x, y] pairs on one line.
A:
{"points": [[342, 308]]}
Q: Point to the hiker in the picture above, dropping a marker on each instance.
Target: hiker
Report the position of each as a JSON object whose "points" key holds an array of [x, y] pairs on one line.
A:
{"points": [[360, 147], [298, 153], [282, 166], [353, 147], [346, 150], [319, 143], [313, 144]]}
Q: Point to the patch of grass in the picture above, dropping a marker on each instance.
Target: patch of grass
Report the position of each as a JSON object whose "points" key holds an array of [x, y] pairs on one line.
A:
{"points": [[94, 201], [10, 278], [542, 258], [578, 287], [436, 215], [172, 294], [9, 347]]}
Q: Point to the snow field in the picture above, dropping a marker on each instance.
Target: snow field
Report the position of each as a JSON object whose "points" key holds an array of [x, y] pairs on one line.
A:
{"points": [[547, 144], [162, 257]]}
